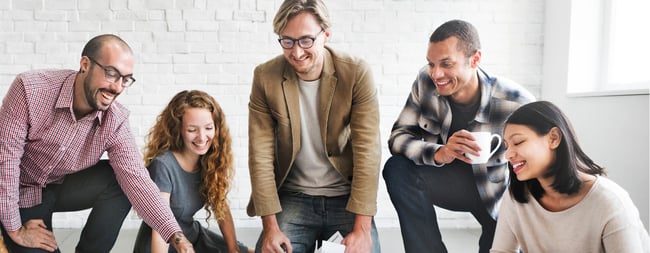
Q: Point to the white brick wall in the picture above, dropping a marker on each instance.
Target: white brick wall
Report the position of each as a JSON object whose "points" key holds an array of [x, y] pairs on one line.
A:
{"points": [[214, 46]]}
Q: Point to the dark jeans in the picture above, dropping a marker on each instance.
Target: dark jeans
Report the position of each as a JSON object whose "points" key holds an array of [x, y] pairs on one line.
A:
{"points": [[206, 241], [414, 190], [305, 219], [96, 188]]}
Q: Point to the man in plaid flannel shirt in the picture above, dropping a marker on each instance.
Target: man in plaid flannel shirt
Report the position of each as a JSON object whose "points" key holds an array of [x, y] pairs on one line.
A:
{"points": [[450, 98]]}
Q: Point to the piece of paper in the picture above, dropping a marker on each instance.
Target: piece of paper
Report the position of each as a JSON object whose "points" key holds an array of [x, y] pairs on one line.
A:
{"points": [[332, 245]]}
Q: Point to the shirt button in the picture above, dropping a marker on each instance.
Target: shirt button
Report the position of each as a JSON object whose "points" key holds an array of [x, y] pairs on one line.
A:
{"points": [[62, 148]]}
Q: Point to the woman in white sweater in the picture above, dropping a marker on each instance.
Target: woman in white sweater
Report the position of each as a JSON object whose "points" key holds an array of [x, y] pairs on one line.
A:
{"points": [[559, 200]]}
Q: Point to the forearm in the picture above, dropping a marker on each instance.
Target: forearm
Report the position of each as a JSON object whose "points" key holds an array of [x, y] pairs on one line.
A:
{"points": [[227, 227], [262, 148], [270, 223], [14, 122], [158, 244], [144, 195], [366, 152], [362, 223], [413, 147]]}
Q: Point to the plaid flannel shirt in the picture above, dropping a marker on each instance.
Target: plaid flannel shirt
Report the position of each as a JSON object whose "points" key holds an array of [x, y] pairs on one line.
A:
{"points": [[423, 127]]}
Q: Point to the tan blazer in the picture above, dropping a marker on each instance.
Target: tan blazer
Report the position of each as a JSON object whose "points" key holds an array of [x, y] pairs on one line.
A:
{"points": [[349, 124]]}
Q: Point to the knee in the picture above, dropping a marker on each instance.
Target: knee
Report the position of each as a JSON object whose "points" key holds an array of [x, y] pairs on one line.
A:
{"points": [[397, 168]]}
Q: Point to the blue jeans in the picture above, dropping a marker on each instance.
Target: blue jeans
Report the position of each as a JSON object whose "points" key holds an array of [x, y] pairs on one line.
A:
{"points": [[95, 187], [415, 189], [305, 219]]}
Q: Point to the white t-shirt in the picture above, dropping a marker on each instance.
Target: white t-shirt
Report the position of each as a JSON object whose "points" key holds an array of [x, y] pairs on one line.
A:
{"points": [[605, 220], [312, 173]]}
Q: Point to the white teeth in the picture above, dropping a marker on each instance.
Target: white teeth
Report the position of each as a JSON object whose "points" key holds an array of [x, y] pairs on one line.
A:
{"points": [[516, 165], [106, 96], [443, 83], [200, 144]]}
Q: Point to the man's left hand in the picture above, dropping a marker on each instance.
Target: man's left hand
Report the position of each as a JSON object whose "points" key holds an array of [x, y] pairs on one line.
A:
{"points": [[358, 241]]}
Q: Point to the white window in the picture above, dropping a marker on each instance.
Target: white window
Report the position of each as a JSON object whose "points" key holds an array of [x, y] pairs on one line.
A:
{"points": [[608, 52]]}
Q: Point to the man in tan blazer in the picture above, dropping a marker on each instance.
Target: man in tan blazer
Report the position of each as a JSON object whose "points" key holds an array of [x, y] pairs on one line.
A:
{"points": [[314, 148]]}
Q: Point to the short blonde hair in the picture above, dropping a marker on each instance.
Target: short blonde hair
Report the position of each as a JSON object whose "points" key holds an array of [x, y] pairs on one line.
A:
{"points": [[291, 8]]}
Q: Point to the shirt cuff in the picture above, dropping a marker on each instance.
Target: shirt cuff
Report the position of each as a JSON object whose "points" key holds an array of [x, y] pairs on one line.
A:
{"points": [[433, 160]]}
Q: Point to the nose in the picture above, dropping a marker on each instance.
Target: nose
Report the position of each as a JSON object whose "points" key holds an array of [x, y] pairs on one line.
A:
{"points": [[509, 154], [297, 51], [117, 87], [435, 72], [203, 135]]}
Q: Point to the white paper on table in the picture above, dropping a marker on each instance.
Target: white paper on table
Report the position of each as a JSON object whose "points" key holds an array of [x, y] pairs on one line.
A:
{"points": [[332, 245]]}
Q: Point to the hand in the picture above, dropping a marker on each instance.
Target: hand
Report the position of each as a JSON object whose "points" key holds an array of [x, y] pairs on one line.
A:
{"points": [[180, 243], [275, 241], [358, 241], [458, 144], [34, 234]]}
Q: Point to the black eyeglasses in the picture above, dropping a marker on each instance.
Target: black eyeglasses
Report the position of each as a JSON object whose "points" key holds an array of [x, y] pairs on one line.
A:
{"points": [[113, 75], [303, 42]]}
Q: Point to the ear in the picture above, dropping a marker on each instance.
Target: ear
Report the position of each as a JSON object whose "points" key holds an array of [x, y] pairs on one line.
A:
{"points": [[554, 137], [327, 35], [84, 64], [475, 59]]}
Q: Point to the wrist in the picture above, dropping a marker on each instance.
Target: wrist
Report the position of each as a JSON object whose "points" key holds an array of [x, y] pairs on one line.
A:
{"points": [[270, 223], [177, 238], [436, 157], [13, 234]]}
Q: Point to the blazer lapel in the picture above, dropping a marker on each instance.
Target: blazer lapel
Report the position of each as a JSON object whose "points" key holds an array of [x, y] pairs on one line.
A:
{"points": [[328, 82], [292, 97]]}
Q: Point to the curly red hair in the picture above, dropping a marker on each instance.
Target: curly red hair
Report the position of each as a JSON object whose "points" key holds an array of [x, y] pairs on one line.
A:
{"points": [[216, 165]]}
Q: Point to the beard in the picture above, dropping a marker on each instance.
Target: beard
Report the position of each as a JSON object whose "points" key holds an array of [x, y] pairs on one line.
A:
{"points": [[91, 96]]}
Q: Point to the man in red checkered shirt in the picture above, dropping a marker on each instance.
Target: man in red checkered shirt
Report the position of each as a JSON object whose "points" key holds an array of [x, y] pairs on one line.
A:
{"points": [[55, 125]]}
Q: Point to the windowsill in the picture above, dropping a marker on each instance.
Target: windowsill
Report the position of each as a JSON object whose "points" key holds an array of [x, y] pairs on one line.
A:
{"points": [[609, 93]]}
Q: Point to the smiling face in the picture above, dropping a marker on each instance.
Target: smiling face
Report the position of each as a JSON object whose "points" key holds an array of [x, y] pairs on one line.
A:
{"points": [[197, 131], [308, 63], [95, 92], [453, 73], [529, 153]]}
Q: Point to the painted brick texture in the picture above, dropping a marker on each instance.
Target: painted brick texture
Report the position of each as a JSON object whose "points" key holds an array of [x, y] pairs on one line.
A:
{"points": [[214, 46]]}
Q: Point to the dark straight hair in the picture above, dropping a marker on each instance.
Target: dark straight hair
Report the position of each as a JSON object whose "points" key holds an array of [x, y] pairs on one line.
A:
{"points": [[541, 117]]}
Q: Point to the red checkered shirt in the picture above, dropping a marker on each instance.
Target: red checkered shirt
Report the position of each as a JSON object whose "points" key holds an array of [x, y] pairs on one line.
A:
{"points": [[41, 142]]}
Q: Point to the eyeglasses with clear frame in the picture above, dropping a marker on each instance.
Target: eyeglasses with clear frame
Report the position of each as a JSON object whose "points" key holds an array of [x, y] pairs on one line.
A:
{"points": [[113, 75], [304, 42]]}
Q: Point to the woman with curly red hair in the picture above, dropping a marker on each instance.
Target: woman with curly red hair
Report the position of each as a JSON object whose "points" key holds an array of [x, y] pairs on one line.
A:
{"points": [[189, 156]]}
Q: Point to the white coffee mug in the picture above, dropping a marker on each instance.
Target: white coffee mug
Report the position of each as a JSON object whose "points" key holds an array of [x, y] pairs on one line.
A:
{"points": [[484, 140]]}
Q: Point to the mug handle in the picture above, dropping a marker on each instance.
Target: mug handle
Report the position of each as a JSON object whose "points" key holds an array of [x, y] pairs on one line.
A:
{"points": [[498, 145]]}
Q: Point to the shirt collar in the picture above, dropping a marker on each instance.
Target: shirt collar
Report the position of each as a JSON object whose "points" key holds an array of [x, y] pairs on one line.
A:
{"points": [[66, 96], [485, 85]]}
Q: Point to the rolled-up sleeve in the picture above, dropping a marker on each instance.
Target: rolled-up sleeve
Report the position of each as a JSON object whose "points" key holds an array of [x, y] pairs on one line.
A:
{"points": [[261, 146], [366, 147], [13, 132], [137, 185]]}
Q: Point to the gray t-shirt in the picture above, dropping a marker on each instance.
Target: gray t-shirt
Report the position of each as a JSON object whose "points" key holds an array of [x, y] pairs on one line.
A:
{"points": [[185, 200], [184, 189]]}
